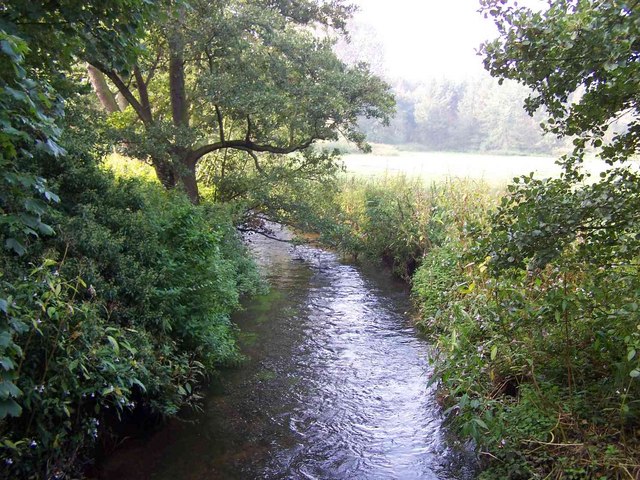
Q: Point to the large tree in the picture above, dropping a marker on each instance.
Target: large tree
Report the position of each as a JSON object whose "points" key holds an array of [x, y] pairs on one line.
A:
{"points": [[254, 77]]}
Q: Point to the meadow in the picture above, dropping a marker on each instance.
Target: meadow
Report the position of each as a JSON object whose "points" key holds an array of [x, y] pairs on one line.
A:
{"points": [[496, 169]]}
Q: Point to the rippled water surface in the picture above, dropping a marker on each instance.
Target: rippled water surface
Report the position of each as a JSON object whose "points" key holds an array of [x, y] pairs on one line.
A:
{"points": [[335, 387]]}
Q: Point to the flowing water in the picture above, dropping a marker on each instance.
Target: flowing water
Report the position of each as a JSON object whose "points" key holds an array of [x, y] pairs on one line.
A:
{"points": [[335, 386]]}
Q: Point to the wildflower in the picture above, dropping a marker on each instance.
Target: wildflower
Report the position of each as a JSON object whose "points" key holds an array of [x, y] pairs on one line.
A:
{"points": [[33, 444]]}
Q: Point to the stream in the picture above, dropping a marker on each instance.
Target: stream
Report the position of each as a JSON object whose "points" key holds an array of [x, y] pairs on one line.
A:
{"points": [[335, 386]]}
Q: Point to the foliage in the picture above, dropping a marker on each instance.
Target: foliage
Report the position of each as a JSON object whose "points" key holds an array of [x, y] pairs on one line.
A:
{"points": [[537, 356], [115, 301], [395, 220], [538, 350], [539, 365], [586, 52], [57, 33], [26, 126], [126, 312], [38, 42]]}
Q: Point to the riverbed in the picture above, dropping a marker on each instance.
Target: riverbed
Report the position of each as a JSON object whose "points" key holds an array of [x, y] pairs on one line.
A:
{"points": [[335, 385]]}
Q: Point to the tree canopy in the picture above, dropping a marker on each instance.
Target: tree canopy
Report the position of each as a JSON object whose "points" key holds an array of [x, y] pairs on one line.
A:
{"points": [[39, 43], [249, 76], [581, 60]]}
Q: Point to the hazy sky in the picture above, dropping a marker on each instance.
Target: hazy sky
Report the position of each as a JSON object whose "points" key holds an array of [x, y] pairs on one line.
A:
{"points": [[428, 38]]}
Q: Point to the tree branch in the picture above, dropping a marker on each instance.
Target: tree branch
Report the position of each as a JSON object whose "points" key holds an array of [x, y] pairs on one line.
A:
{"points": [[124, 90], [248, 135], [220, 124], [246, 146], [255, 159], [101, 89], [152, 70], [264, 234], [142, 90]]}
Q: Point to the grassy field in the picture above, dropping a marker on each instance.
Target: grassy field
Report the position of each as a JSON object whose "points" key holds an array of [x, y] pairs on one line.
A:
{"points": [[495, 169]]}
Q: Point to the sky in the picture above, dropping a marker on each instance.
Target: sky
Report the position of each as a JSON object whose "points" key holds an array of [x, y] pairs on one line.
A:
{"points": [[424, 39]]}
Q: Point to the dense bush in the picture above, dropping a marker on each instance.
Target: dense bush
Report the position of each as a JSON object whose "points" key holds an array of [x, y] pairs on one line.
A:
{"points": [[398, 219], [125, 309], [538, 337]]}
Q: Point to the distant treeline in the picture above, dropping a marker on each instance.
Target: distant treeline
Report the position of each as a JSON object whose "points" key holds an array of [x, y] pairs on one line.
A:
{"points": [[469, 115]]}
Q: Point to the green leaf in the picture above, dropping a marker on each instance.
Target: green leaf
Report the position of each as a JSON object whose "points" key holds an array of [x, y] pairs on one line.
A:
{"points": [[51, 148], [9, 408], [634, 373], [135, 381], [13, 244], [114, 344], [7, 363], [9, 390], [631, 354], [5, 339], [52, 197], [46, 229], [8, 49], [481, 423], [494, 352], [34, 206], [9, 444]]}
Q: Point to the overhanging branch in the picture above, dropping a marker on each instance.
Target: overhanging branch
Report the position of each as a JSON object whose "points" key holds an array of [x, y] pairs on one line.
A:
{"points": [[247, 145]]}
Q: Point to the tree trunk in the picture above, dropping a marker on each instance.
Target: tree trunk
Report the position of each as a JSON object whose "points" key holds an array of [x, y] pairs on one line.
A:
{"points": [[165, 173], [178, 92], [179, 104], [188, 180], [121, 101], [100, 86]]}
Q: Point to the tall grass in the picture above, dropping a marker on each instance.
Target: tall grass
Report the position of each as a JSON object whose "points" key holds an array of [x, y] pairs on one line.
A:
{"points": [[399, 219]]}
